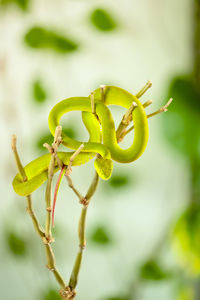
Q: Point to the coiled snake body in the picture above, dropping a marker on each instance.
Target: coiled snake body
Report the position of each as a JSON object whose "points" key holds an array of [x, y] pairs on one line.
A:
{"points": [[102, 137]]}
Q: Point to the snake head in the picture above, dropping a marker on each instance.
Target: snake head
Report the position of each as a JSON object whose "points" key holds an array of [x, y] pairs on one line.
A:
{"points": [[103, 167]]}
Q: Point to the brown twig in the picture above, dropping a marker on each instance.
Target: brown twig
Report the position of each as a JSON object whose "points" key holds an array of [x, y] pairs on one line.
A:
{"points": [[162, 109], [51, 264], [53, 152], [147, 86]]}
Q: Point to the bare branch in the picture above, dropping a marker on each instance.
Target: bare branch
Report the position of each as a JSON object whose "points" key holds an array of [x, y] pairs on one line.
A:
{"points": [[144, 89]]}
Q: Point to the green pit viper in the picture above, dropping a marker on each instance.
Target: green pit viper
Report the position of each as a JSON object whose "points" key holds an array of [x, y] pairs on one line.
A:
{"points": [[102, 137]]}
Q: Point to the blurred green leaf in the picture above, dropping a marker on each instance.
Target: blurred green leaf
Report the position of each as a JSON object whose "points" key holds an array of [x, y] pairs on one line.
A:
{"points": [[186, 240], [151, 270], [16, 244], [48, 138], [117, 298], [182, 122], [118, 181], [39, 92], [23, 4], [186, 293], [100, 235], [102, 20], [51, 295], [41, 38]]}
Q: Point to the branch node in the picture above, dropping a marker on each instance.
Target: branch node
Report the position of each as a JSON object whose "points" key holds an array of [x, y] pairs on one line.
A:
{"points": [[82, 247], [48, 240], [49, 209], [84, 201], [50, 268], [67, 293], [29, 211], [49, 148]]}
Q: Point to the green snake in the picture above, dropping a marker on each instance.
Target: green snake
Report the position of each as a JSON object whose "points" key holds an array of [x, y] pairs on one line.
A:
{"points": [[102, 137]]}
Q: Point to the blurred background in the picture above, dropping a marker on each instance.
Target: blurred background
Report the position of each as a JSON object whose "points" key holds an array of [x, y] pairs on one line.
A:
{"points": [[143, 224]]}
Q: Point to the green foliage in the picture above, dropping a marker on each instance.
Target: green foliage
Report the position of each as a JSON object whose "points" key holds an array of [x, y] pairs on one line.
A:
{"points": [[16, 244], [151, 270], [181, 123], [102, 20], [186, 293], [23, 4], [42, 38], [117, 298], [118, 181], [51, 295], [39, 93], [100, 235], [186, 240], [48, 138]]}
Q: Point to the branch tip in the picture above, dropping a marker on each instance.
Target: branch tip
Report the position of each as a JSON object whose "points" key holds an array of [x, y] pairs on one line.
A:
{"points": [[147, 103], [102, 89], [144, 89], [167, 104], [92, 102], [149, 83], [57, 136], [13, 141]]}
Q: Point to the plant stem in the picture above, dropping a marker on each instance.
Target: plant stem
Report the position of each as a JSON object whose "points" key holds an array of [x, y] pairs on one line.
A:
{"points": [[36, 224], [160, 110], [49, 251], [144, 89], [81, 233], [125, 121], [120, 132], [48, 197], [82, 243], [53, 152], [51, 265]]}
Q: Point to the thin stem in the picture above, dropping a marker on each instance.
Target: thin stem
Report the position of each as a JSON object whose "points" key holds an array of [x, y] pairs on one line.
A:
{"points": [[68, 172], [93, 187], [125, 121], [147, 103], [53, 151], [92, 102], [71, 185], [144, 89], [82, 233], [22, 173], [162, 109], [76, 153], [49, 252], [82, 243], [17, 159], [56, 191], [30, 211], [102, 90], [48, 198], [51, 265]]}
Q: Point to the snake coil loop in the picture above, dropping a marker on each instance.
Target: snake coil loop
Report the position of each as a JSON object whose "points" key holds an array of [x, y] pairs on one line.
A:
{"points": [[102, 137]]}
